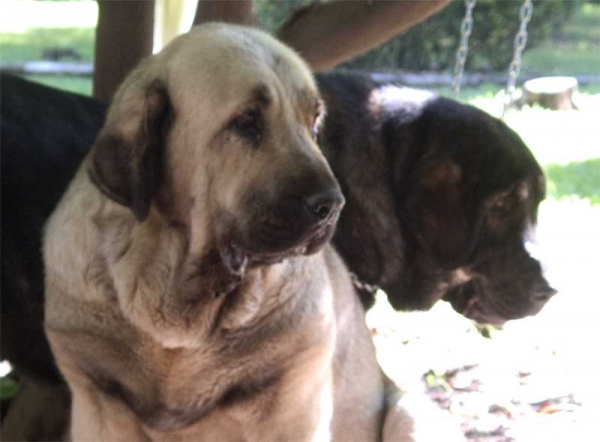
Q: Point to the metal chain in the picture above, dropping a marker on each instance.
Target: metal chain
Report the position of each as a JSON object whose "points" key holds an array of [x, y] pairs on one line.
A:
{"points": [[463, 48], [515, 65], [360, 285]]}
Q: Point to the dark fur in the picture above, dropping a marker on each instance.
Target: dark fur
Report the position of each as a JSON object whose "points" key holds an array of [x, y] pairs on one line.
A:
{"points": [[430, 187], [44, 136], [433, 186]]}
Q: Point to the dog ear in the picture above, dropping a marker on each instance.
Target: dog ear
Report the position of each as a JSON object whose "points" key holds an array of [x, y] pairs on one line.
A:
{"points": [[125, 161], [438, 214], [506, 209]]}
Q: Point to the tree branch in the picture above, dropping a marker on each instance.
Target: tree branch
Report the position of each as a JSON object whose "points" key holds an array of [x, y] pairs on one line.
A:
{"points": [[326, 34]]}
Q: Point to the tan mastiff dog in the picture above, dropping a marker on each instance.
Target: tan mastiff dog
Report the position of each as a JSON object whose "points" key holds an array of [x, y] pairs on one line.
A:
{"points": [[191, 293]]}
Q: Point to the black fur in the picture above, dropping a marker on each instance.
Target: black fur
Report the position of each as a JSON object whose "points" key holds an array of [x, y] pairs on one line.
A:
{"points": [[44, 136], [433, 186]]}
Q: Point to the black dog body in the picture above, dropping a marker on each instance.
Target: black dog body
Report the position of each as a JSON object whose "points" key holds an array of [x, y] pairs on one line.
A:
{"points": [[45, 133]]}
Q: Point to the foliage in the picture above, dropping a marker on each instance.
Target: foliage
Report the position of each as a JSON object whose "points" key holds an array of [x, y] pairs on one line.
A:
{"points": [[432, 44]]}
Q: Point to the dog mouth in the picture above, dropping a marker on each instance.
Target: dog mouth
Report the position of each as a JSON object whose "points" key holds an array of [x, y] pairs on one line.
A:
{"points": [[473, 301], [467, 300], [273, 243], [475, 311]]}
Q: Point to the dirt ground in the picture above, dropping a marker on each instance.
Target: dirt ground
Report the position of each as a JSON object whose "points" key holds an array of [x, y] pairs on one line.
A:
{"points": [[536, 379]]}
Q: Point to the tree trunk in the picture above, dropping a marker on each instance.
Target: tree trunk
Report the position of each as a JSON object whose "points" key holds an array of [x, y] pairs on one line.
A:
{"points": [[231, 11], [550, 92], [123, 38]]}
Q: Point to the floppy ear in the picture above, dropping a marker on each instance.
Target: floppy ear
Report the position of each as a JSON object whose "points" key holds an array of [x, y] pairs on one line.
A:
{"points": [[125, 162], [438, 215], [508, 209]]}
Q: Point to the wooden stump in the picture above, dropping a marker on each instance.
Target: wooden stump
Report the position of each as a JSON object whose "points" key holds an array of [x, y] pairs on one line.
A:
{"points": [[550, 92]]}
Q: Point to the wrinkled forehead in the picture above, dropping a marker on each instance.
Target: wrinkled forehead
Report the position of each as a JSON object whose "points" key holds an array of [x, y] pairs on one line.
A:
{"points": [[229, 65]]}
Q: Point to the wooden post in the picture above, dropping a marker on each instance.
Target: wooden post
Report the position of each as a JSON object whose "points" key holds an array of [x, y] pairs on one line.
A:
{"points": [[123, 38], [231, 11]]}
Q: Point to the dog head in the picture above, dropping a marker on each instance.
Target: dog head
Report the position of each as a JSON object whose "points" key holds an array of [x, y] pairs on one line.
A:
{"points": [[217, 133], [472, 209], [441, 200]]}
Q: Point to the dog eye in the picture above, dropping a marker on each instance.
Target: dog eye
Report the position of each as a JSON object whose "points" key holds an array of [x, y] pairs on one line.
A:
{"points": [[316, 126], [319, 116], [248, 125]]}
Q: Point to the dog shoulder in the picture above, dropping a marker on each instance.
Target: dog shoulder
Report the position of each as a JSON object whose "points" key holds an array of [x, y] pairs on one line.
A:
{"points": [[71, 238]]}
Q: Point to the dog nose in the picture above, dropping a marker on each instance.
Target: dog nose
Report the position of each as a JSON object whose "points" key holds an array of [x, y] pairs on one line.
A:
{"points": [[322, 205], [544, 293]]}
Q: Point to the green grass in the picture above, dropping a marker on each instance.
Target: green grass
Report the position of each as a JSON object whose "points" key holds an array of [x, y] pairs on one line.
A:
{"points": [[30, 44], [578, 179]]}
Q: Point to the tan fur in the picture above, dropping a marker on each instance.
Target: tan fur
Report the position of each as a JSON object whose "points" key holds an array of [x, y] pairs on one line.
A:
{"points": [[157, 338]]}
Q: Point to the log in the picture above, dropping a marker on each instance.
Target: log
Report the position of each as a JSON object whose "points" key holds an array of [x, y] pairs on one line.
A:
{"points": [[554, 93]]}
